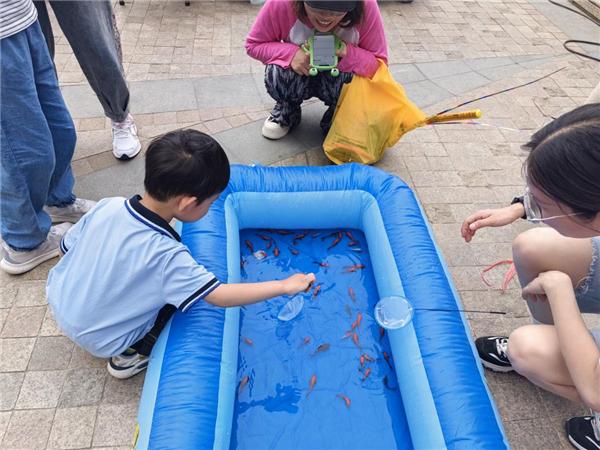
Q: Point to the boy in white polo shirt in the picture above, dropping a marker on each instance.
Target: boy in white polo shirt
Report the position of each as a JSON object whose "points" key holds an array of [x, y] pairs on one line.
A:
{"points": [[124, 271]]}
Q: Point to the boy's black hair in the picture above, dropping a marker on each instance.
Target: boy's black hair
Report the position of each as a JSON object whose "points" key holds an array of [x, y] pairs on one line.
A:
{"points": [[351, 19], [185, 162], [565, 160]]}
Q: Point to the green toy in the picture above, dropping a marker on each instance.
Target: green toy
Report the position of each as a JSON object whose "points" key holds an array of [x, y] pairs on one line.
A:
{"points": [[322, 48]]}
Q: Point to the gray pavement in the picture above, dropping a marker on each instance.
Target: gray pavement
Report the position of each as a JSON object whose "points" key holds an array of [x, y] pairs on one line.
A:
{"points": [[187, 68]]}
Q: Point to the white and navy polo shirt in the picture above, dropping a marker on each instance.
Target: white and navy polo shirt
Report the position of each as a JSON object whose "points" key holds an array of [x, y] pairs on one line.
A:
{"points": [[122, 264]]}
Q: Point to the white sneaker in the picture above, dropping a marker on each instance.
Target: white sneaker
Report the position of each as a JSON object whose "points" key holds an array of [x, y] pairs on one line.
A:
{"points": [[272, 130], [70, 213], [16, 262], [126, 144], [127, 364]]}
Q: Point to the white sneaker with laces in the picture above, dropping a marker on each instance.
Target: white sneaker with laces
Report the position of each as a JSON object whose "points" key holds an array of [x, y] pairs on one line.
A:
{"points": [[127, 364], [70, 213], [17, 262], [126, 144], [272, 130]]}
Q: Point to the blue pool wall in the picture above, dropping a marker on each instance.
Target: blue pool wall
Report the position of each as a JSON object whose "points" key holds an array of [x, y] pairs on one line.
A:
{"points": [[188, 395]]}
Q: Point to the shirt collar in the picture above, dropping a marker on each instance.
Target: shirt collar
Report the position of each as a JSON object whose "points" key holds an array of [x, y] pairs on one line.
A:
{"points": [[149, 218]]}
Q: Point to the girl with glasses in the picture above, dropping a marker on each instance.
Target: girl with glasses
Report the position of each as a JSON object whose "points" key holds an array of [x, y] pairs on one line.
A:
{"points": [[558, 267]]}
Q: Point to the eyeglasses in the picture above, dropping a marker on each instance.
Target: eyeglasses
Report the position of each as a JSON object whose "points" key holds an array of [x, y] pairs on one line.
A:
{"points": [[533, 212]]}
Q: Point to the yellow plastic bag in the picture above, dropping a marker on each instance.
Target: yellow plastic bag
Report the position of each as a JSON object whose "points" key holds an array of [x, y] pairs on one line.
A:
{"points": [[372, 115]]}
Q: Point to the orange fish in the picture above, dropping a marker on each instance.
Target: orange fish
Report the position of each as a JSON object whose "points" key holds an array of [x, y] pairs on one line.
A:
{"points": [[249, 245], [355, 339], [311, 384], [322, 264], [243, 384], [349, 234], [348, 334], [283, 232], [387, 360], [335, 242], [352, 244], [276, 251], [265, 238], [362, 360], [294, 251], [352, 294], [299, 237], [322, 348], [248, 341], [368, 357], [306, 340], [346, 399], [317, 290], [354, 268], [367, 373], [357, 322], [381, 333], [270, 244]]}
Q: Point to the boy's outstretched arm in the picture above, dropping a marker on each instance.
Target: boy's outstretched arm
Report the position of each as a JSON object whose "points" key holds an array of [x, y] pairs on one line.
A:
{"points": [[239, 294]]}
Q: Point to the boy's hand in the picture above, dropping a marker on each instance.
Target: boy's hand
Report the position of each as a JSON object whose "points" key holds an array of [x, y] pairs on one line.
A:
{"points": [[298, 283], [301, 62], [490, 218]]}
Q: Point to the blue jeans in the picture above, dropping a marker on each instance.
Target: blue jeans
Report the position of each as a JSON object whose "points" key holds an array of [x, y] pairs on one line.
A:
{"points": [[37, 140]]}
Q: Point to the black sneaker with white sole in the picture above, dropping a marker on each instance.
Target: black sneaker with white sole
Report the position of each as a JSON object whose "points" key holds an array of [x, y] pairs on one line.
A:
{"points": [[584, 432], [492, 352], [127, 364]]}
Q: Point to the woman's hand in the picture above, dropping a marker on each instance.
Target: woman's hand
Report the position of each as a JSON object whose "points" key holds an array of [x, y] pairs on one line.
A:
{"points": [[301, 62], [545, 285], [490, 218], [298, 283], [343, 51]]}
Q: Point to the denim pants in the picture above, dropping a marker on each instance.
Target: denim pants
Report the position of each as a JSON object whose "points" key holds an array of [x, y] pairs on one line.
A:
{"points": [[90, 28], [289, 90], [37, 140]]}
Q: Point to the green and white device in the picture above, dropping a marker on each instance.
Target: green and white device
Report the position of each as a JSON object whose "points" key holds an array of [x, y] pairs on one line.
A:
{"points": [[322, 48]]}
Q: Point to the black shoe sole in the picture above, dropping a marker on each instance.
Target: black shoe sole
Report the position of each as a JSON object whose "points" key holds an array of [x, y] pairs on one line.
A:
{"points": [[496, 368]]}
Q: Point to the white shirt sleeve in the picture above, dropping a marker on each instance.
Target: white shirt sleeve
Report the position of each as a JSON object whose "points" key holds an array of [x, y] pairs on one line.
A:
{"points": [[185, 281]]}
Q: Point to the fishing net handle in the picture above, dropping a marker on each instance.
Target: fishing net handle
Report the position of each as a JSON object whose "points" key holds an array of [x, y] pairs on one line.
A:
{"points": [[466, 115]]}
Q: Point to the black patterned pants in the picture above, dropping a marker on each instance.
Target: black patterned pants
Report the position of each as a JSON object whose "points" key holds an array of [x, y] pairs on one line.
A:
{"points": [[289, 90]]}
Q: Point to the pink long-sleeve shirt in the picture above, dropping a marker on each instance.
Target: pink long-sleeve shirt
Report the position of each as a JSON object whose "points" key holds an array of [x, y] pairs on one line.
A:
{"points": [[277, 33]]}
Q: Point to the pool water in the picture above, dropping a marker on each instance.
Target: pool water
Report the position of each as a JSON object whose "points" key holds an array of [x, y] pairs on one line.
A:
{"points": [[353, 403]]}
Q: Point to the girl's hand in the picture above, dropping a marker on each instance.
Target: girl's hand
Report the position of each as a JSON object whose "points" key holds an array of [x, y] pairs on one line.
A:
{"points": [[343, 51], [490, 218], [544, 285], [298, 283], [301, 62]]}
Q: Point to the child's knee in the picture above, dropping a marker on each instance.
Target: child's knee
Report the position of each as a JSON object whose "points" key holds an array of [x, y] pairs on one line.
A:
{"points": [[522, 350], [531, 245]]}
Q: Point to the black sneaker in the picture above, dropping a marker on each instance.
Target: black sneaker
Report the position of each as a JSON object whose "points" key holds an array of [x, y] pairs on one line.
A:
{"points": [[127, 364], [492, 351], [584, 432]]}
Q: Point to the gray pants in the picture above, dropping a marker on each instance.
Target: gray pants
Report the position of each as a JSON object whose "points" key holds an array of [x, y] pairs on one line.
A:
{"points": [[90, 28]]}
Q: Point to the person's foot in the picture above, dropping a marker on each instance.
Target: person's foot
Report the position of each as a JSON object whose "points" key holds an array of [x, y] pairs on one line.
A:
{"points": [[17, 262], [127, 364], [70, 213], [126, 144], [584, 432], [493, 353], [273, 130]]}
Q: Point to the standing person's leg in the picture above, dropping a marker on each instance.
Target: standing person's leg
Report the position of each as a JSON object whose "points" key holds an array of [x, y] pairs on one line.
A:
{"points": [[46, 26], [28, 159], [328, 90], [90, 28], [289, 90]]}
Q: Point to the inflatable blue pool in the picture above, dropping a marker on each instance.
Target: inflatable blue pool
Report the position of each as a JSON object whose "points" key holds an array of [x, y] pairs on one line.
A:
{"points": [[329, 378]]}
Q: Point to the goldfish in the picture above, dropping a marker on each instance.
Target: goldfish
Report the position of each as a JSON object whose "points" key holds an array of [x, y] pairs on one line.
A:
{"points": [[381, 333], [283, 232], [352, 294], [387, 360], [276, 251], [347, 334], [270, 244], [322, 348], [248, 341], [357, 322], [349, 234], [352, 244], [293, 251], [346, 399], [249, 245], [335, 242], [265, 238], [366, 374], [299, 237], [322, 264], [362, 360], [354, 268], [311, 384], [335, 233], [317, 290], [306, 340], [243, 383], [355, 339], [260, 254], [368, 357]]}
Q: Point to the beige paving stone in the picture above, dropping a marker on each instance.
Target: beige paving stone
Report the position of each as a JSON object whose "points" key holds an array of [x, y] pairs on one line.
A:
{"points": [[31, 293], [51, 353], [41, 389], [10, 385], [83, 387], [115, 425], [73, 427], [19, 434], [15, 353], [49, 325], [23, 322]]}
